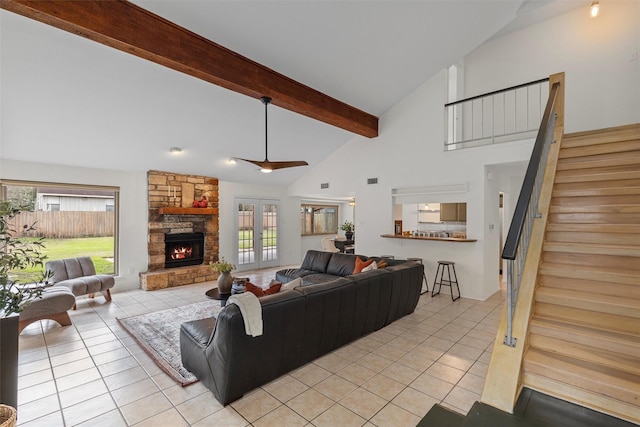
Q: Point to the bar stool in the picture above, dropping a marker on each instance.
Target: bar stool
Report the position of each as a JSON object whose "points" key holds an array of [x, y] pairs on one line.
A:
{"points": [[449, 265], [424, 276]]}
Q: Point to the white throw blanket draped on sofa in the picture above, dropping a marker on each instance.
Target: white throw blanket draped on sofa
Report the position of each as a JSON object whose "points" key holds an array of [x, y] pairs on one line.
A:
{"points": [[251, 312]]}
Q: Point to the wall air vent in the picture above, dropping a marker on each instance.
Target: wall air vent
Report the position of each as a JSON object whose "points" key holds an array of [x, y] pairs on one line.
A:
{"points": [[324, 185], [372, 181]]}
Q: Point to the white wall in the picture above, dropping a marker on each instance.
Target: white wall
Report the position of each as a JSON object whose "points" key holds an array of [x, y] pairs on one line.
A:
{"points": [[602, 80], [133, 207], [603, 89]]}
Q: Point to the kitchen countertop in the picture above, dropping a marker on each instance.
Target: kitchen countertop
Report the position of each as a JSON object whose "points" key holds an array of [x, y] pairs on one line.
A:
{"points": [[444, 239]]}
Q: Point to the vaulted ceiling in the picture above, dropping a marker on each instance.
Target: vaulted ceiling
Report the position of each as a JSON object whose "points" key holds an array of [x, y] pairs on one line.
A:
{"points": [[71, 101]]}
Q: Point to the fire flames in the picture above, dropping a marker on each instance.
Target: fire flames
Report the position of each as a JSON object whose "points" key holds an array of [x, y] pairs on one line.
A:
{"points": [[182, 252]]}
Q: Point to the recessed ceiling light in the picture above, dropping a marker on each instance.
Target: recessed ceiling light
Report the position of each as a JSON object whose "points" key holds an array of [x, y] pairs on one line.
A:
{"points": [[175, 150], [595, 9]]}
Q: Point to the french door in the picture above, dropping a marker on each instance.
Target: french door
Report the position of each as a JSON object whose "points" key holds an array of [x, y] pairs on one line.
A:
{"points": [[257, 228]]}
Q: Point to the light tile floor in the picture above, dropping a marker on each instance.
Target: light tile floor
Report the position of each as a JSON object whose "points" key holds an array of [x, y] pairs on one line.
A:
{"points": [[94, 374]]}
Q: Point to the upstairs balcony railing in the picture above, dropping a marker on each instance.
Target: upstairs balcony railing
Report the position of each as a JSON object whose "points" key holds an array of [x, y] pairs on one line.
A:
{"points": [[503, 115]]}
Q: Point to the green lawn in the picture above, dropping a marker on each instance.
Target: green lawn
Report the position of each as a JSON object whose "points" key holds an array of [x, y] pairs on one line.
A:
{"points": [[245, 238], [100, 249]]}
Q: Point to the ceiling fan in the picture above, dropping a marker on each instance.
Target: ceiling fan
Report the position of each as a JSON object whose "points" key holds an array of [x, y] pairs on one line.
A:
{"points": [[267, 166]]}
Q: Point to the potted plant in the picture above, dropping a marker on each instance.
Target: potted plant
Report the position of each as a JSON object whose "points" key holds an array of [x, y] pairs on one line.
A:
{"points": [[224, 279], [348, 228], [16, 253]]}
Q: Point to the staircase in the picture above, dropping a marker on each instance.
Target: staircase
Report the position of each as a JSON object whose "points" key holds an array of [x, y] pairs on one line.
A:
{"points": [[584, 336]]}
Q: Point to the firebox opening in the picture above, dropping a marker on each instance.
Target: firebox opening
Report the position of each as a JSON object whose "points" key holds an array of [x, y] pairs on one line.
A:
{"points": [[183, 249]]}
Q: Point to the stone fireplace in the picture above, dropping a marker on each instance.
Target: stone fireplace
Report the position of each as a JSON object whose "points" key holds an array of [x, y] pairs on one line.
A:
{"points": [[172, 219]]}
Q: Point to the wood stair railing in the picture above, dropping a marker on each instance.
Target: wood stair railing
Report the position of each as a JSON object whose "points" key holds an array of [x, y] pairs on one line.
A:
{"points": [[584, 335]]}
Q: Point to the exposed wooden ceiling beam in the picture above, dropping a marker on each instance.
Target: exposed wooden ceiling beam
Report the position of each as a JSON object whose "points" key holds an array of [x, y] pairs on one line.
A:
{"points": [[127, 27]]}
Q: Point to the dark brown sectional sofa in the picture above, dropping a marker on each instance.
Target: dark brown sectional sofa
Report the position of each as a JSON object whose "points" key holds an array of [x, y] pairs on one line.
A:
{"points": [[332, 308]]}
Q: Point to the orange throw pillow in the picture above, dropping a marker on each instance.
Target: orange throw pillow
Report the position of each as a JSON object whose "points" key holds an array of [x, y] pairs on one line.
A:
{"points": [[360, 264], [259, 292]]}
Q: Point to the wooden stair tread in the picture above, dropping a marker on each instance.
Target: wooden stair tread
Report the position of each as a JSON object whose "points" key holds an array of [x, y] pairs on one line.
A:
{"points": [[587, 398], [622, 208], [621, 183], [601, 136], [598, 174], [627, 276], [619, 305], [573, 149], [602, 228], [588, 352], [589, 285], [611, 382], [595, 218], [578, 160], [595, 337], [590, 248], [595, 263], [569, 142], [611, 194], [585, 197], [596, 237], [613, 322]]}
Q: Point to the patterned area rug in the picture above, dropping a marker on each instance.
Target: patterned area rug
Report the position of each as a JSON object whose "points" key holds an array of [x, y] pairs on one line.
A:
{"points": [[159, 335]]}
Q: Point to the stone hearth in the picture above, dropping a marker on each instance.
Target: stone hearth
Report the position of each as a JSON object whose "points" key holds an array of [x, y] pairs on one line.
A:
{"points": [[170, 197]]}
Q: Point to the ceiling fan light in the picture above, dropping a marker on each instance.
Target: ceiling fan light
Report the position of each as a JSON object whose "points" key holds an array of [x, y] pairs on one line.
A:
{"points": [[266, 170]]}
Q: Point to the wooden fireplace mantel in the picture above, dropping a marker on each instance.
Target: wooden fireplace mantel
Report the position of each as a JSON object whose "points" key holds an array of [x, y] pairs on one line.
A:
{"points": [[169, 210]]}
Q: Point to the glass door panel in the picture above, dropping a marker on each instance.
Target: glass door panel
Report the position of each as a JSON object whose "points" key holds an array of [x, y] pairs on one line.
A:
{"points": [[246, 245], [257, 227]]}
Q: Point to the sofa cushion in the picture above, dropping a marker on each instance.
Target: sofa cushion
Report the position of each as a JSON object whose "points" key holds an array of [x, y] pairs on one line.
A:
{"points": [[289, 274], [199, 330], [107, 281], [316, 261], [341, 264], [93, 284], [312, 279], [54, 300], [58, 269], [77, 286], [74, 269], [86, 265]]}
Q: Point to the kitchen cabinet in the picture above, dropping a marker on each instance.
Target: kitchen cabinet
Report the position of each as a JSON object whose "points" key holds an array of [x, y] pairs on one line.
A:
{"points": [[453, 212]]}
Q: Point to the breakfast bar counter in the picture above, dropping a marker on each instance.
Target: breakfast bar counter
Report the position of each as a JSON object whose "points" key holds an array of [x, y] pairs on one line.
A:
{"points": [[443, 239]]}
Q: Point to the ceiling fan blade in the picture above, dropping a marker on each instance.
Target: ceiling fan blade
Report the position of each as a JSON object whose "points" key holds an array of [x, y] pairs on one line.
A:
{"points": [[266, 164], [283, 165]]}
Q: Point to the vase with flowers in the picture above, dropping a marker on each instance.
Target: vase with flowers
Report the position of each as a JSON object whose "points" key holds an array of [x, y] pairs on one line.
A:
{"points": [[224, 279], [348, 229]]}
